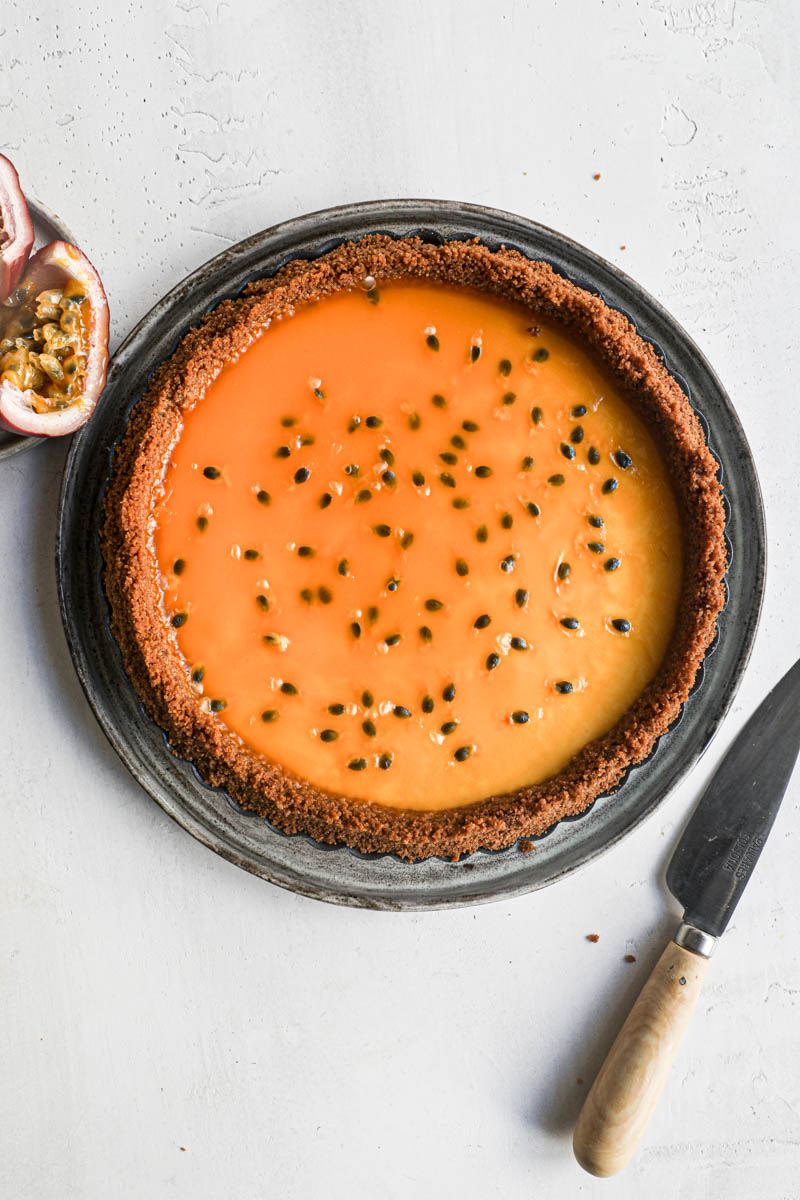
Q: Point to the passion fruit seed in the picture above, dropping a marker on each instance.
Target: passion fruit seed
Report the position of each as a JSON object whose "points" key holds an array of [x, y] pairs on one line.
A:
{"points": [[427, 704], [343, 566], [458, 441], [281, 452], [520, 597], [306, 595], [217, 705], [401, 711], [482, 622], [384, 761], [519, 643], [212, 472], [179, 620], [352, 469], [302, 474], [596, 522], [621, 625], [42, 343], [527, 463], [426, 633], [519, 717], [414, 421], [474, 352], [407, 540], [202, 524], [595, 547], [509, 398], [506, 521], [593, 455], [533, 509], [541, 355], [393, 639], [369, 728], [329, 735], [383, 531], [357, 764], [438, 400], [197, 675], [504, 366], [355, 629], [449, 692], [482, 534], [264, 498], [253, 555], [460, 502], [434, 605], [373, 422], [564, 687], [325, 594], [462, 753], [289, 689], [262, 602], [578, 410], [570, 623], [389, 478], [432, 341], [462, 567], [537, 415], [609, 486], [492, 661], [576, 437], [611, 564], [483, 472], [269, 715], [367, 699], [288, 422], [364, 495], [392, 585], [470, 426], [508, 564], [336, 710], [448, 727], [179, 566], [353, 424], [418, 479], [564, 571], [622, 460], [567, 450], [556, 480]]}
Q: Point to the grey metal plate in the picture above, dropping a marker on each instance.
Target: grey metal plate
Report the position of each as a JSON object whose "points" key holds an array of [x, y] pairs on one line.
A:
{"points": [[337, 874], [47, 227]]}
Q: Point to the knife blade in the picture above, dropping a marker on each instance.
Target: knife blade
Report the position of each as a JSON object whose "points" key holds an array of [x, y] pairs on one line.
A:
{"points": [[709, 870], [721, 844]]}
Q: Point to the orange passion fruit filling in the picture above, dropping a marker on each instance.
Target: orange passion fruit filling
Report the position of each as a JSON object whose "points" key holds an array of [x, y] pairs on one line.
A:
{"points": [[44, 342], [414, 545]]}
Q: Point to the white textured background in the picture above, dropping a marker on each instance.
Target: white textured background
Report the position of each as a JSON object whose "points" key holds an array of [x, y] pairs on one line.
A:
{"points": [[172, 1027]]}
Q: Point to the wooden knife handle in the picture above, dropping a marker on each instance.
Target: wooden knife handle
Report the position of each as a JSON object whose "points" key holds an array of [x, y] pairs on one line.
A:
{"points": [[622, 1098]]}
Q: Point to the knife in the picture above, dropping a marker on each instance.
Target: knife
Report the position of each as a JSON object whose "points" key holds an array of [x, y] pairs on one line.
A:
{"points": [[709, 870]]}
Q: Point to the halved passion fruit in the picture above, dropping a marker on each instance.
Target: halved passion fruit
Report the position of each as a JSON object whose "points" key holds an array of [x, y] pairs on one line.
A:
{"points": [[16, 229], [53, 344]]}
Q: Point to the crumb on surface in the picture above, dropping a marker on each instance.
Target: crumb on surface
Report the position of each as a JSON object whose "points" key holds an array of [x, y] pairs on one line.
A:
{"points": [[526, 846], [630, 958], [593, 937]]}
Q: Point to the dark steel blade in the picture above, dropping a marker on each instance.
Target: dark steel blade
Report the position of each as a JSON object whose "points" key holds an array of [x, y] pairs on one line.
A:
{"points": [[721, 844]]}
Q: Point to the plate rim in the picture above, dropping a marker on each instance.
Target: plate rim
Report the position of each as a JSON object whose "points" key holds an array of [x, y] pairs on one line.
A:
{"points": [[397, 212]]}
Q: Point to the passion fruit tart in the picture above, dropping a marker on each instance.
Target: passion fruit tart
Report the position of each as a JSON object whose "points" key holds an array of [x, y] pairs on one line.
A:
{"points": [[414, 548], [53, 344]]}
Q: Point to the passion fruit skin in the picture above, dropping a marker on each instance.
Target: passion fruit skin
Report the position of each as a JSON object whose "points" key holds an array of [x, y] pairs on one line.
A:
{"points": [[16, 229], [54, 266]]}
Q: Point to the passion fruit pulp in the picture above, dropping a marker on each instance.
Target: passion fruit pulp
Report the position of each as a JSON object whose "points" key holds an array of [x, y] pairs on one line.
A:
{"points": [[53, 344], [16, 229]]}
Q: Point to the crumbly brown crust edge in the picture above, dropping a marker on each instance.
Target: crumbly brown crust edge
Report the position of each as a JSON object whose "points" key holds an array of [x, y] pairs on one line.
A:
{"points": [[149, 651]]}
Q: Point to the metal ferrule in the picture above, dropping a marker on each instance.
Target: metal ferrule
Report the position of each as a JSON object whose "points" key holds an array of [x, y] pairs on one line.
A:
{"points": [[694, 939]]}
